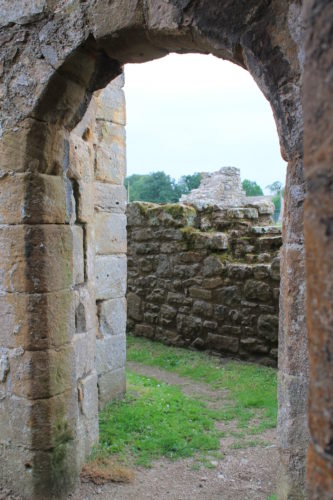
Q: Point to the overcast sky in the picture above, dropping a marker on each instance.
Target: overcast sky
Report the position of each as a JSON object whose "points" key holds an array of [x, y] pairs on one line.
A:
{"points": [[195, 113]]}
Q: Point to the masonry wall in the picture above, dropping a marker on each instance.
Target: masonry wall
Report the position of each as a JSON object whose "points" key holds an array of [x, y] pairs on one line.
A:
{"points": [[51, 60], [205, 279], [98, 168]]}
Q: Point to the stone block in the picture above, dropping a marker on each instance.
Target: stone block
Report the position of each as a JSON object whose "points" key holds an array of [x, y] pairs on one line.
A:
{"points": [[81, 160], [84, 192], [110, 276], [239, 271], [275, 269], [25, 12], [134, 306], [200, 293], [88, 437], [88, 396], [212, 283], [84, 345], [254, 345], [110, 233], [110, 165], [178, 298], [229, 295], [21, 150], [37, 258], [251, 213], [236, 213], [110, 353], [212, 266], [111, 105], [36, 199], [268, 327], [156, 296], [111, 385], [210, 325], [291, 336], [38, 424], [110, 197], [257, 290], [78, 257], [262, 271], [112, 317], [221, 312], [89, 244], [188, 324], [85, 309], [230, 330], [222, 343], [292, 417], [42, 374], [168, 312], [37, 321], [144, 331], [269, 243], [202, 308]]}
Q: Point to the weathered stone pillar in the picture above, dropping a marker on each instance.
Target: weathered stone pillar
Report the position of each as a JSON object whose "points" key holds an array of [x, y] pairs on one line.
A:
{"points": [[110, 240], [318, 130], [293, 349], [38, 395]]}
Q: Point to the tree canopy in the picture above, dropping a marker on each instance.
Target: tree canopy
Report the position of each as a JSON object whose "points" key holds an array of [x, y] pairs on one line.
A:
{"points": [[275, 187], [251, 188], [158, 187]]}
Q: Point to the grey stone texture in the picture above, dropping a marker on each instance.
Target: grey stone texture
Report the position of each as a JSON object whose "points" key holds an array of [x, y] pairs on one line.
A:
{"points": [[205, 289], [54, 56], [221, 188]]}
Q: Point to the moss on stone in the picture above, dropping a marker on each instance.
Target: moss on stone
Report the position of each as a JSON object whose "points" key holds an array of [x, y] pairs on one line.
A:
{"points": [[144, 207]]}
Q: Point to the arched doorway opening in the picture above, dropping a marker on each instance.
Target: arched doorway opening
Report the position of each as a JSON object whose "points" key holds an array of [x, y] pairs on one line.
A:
{"points": [[53, 250]]}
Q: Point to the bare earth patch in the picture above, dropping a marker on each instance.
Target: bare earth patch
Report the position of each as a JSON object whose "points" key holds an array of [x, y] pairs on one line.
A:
{"points": [[246, 473]]}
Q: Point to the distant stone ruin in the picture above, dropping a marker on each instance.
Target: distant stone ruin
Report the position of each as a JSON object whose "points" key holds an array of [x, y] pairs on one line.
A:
{"points": [[206, 275], [222, 188]]}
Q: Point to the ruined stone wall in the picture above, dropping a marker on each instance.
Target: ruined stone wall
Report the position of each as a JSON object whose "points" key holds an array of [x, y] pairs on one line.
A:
{"points": [[86, 350], [97, 172], [53, 56], [208, 278]]}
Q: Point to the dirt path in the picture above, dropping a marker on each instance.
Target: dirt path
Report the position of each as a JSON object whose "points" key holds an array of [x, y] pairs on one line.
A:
{"points": [[244, 474]]}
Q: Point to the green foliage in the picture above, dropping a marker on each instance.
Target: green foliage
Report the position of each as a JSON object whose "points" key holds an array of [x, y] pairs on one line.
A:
{"points": [[275, 187], [156, 419], [277, 191], [251, 388], [188, 182], [277, 202], [158, 187], [251, 188]]}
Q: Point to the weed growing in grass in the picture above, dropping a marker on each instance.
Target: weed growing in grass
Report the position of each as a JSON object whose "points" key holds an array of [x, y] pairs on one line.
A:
{"points": [[251, 388], [154, 420]]}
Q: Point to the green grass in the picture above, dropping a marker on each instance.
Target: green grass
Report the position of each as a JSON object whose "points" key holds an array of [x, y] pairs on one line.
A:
{"points": [[154, 420], [252, 389]]}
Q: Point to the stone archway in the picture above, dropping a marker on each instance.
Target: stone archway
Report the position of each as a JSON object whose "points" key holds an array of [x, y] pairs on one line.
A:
{"points": [[55, 55]]}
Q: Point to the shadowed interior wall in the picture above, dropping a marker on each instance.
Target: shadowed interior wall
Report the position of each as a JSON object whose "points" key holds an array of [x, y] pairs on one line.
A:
{"points": [[318, 113], [54, 55]]}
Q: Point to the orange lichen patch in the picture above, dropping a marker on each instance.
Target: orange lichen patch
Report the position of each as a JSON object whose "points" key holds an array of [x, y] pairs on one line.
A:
{"points": [[106, 470]]}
